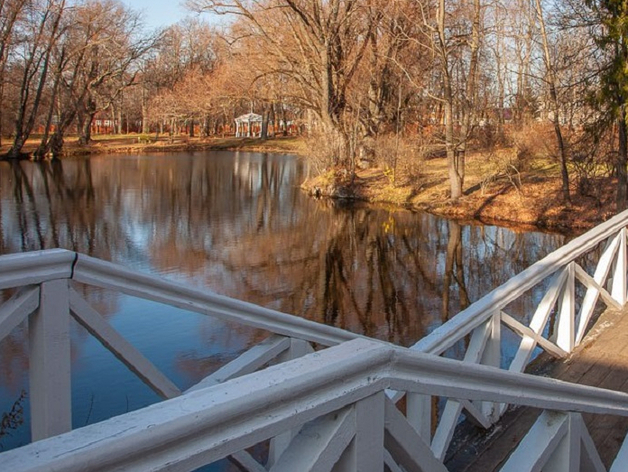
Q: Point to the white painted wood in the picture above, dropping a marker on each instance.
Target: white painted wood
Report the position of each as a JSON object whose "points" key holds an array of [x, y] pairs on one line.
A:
{"points": [[278, 446], [406, 447], [297, 348], [453, 408], [620, 461], [17, 308], [419, 414], [538, 322], [591, 460], [460, 325], [446, 428], [390, 462], [320, 443], [346, 463], [245, 462], [565, 324], [369, 433], [600, 275], [528, 333], [621, 267], [49, 362], [203, 426], [98, 327], [566, 455], [103, 274], [33, 268], [476, 415], [594, 291], [537, 447], [248, 362], [431, 375], [491, 356], [596, 287]]}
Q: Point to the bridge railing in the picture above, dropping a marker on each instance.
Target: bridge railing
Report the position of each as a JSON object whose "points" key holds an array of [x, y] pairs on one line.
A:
{"points": [[558, 324], [334, 408], [45, 294]]}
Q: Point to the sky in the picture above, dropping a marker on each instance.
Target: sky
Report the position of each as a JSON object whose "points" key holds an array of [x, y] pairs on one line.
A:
{"points": [[159, 13]]}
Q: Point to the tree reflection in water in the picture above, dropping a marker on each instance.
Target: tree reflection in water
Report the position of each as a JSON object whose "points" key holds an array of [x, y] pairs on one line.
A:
{"points": [[238, 224]]}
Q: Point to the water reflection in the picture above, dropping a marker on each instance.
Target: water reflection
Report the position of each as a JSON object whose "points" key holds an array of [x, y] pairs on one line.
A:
{"points": [[238, 224]]}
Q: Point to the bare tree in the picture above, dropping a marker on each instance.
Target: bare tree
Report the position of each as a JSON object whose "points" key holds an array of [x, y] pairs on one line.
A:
{"points": [[317, 45], [37, 54], [551, 81]]}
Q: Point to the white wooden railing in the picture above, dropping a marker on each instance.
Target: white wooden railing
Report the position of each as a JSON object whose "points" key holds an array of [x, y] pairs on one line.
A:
{"points": [[333, 404], [47, 297]]}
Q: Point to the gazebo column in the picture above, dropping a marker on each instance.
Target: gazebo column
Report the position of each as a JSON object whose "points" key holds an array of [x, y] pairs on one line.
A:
{"points": [[249, 130]]}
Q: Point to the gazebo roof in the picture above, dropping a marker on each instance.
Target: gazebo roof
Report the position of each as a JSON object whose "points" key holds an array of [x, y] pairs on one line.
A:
{"points": [[249, 117]]}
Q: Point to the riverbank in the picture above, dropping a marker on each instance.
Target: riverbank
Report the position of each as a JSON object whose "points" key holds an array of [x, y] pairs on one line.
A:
{"points": [[141, 144], [496, 191]]}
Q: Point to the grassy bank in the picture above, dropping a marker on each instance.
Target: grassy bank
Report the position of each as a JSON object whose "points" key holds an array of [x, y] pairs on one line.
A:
{"points": [[495, 192]]}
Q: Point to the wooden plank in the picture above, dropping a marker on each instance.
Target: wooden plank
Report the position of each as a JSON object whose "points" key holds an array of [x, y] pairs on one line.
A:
{"points": [[49, 362], [17, 308], [249, 361], [320, 443], [113, 341]]}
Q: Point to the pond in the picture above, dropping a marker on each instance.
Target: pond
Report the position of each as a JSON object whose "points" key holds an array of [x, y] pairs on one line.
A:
{"points": [[238, 224]]}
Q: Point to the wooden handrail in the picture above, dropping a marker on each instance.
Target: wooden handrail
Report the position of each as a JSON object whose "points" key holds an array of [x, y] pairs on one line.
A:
{"points": [[209, 424], [478, 312]]}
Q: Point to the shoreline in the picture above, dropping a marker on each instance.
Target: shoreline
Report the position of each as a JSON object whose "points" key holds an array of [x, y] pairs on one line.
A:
{"points": [[530, 201]]}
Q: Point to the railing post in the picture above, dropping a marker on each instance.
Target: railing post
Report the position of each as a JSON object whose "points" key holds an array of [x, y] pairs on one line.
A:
{"points": [[492, 356], [566, 457], [619, 287], [278, 444], [419, 414], [565, 329], [49, 362], [366, 451]]}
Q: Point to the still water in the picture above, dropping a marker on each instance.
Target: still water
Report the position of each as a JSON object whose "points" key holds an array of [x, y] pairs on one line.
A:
{"points": [[238, 224]]}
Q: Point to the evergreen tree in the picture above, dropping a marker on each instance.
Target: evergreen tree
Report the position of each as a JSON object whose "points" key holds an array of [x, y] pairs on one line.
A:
{"points": [[612, 97]]}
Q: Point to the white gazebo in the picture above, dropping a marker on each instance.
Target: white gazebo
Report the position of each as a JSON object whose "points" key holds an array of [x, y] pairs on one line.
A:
{"points": [[244, 125]]}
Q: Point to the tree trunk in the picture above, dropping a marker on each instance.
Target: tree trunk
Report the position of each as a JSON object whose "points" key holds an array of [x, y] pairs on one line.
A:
{"points": [[453, 160], [622, 162], [551, 81]]}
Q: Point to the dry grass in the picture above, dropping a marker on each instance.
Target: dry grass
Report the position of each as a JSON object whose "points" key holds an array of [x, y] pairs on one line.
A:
{"points": [[496, 191]]}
